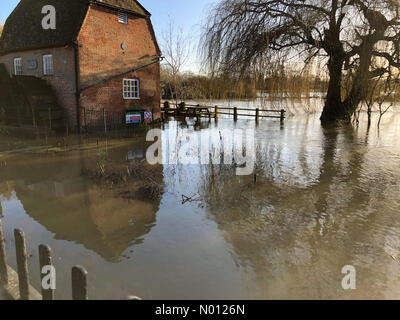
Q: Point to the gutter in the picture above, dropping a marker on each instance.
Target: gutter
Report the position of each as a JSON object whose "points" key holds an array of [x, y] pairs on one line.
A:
{"points": [[8, 51]]}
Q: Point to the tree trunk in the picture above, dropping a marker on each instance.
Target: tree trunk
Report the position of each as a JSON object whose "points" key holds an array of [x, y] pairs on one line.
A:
{"points": [[334, 108], [359, 89], [360, 84], [369, 113]]}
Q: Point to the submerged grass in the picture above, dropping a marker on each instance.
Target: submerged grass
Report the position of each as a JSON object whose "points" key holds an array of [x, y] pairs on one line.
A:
{"points": [[135, 180]]}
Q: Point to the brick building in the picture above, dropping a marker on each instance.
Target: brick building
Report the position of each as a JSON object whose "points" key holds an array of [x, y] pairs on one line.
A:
{"points": [[102, 54]]}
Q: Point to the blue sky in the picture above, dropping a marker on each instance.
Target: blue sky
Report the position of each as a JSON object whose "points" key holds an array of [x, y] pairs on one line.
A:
{"points": [[187, 14]]}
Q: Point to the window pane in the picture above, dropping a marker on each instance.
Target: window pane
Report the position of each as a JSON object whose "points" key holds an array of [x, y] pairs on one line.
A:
{"points": [[48, 64], [130, 88], [18, 66]]}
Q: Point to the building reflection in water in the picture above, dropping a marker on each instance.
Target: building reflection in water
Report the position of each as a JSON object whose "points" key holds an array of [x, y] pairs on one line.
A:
{"points": [[56, 194]]}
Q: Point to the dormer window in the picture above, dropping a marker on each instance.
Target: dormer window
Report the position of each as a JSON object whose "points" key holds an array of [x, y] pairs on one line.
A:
{"points": [[122, 18]]}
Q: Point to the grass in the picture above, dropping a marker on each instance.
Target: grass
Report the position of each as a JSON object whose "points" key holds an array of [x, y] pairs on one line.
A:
{"points": [[135, 180]]}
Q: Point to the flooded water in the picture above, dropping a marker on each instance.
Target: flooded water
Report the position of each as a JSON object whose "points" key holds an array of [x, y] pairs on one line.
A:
{"points": [[323, 199]]}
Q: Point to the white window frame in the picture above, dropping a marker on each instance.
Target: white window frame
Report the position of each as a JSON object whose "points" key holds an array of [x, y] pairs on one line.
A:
{"points": [[123, 17], [131, 89], [17, 66], [48, 65]]}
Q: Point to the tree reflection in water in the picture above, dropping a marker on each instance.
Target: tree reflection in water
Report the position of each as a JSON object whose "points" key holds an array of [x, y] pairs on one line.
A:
{"points": [[324, 198]]}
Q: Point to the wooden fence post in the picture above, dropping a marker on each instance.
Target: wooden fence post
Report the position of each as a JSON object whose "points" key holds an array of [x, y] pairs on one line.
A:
{"points": [[282, 115], [3, 259], [105, 121], [216, 112], [45, 260], [66, 128], [235, 114], [257, 114], [33, 116], [79, 283], [19, 116], [85, 119], [50, 119], [22, 264]]}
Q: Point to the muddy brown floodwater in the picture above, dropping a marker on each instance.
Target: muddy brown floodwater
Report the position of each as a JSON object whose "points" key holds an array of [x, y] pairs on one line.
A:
{"points": [[324, 198]]}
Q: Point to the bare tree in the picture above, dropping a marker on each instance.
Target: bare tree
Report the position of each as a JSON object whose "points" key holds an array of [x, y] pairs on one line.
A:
{"points": [[386, 97], [241, 34], [372, 96], [176, 49]]}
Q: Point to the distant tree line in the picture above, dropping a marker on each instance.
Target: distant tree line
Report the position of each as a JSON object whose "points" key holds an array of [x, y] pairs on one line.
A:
{"points": [[188, 86], [292, 85]]}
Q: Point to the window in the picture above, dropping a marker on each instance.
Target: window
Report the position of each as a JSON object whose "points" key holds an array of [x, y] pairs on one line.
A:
{"points": [[48, 64], [18, 66], [122, 17], [131, 89]]}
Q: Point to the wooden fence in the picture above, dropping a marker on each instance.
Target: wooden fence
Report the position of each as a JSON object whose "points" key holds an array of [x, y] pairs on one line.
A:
{"points": [[16, 284], [199, 111]]}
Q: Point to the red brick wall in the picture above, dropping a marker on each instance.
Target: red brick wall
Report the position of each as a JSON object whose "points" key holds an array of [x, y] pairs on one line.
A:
{"points": [[101, 56], [63, 79], [109, 95]]}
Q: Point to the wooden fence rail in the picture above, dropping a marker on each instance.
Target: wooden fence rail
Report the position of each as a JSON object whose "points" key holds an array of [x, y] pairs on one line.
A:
{"points": [[17, 285], [199, 111]]}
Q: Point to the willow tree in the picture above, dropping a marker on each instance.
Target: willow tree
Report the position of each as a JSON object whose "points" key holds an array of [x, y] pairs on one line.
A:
{"points": [[360, 38]]}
